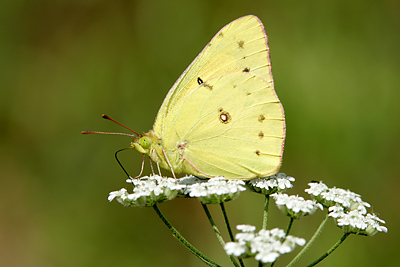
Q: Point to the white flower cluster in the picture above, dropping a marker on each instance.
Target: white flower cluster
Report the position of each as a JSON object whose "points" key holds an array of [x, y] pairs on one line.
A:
{"points": [[147, 191], [215, 190], [357, 221], [329, 197], [295, 206], [348, 209], [271, 184], [266, 245]]}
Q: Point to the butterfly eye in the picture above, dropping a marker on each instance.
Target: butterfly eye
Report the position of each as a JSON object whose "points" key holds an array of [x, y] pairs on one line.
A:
{"points": [[145, 142]]}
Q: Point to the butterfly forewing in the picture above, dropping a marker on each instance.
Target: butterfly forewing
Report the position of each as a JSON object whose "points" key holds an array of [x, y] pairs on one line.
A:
{"points": [[241, 46]]}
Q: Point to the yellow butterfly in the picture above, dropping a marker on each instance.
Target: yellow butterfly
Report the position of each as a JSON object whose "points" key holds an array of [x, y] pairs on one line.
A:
{"points": [[222, 116]]}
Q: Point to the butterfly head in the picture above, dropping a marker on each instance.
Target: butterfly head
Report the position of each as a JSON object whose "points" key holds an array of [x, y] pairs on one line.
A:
{"points": [[144, 142]]}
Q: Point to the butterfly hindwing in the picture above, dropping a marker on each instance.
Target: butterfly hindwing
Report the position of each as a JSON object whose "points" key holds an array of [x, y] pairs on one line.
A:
{"points": [[232, 125]]}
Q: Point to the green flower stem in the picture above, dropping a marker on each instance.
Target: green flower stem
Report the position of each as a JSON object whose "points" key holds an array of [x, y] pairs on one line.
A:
{"points": [[289, 226], [345, 235], [217, 232], [265, 218], [310, 242], [183, 241], [228, 226]]}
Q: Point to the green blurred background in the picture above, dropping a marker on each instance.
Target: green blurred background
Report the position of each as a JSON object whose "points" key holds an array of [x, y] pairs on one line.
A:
{"points": [[336, 66]]}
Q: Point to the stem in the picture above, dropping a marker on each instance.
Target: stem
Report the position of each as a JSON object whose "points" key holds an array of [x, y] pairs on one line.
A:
{"points": [[218, 233], [330, 250], [289, 226], [228, 226], [265, 218], [310, 242], [183, 241]]}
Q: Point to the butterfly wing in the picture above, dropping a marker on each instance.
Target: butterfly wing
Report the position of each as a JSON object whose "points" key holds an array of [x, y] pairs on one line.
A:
{"points": [[241, 46], [232, 125]]}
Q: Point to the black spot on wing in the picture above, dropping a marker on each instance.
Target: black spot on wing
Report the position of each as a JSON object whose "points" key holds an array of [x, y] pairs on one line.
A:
{"points": [[201, 82], [261, 118]]}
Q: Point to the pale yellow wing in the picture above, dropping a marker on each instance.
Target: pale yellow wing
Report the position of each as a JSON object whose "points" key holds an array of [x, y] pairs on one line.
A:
{"points": [[241, 46], [232, 126]]}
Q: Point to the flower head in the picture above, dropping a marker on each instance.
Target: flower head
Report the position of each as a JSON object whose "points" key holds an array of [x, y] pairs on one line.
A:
{"points": [[147, 191], [265, 246], [329, 197], [356, 221], [295, 206], [214, 190], [348, 209], [270, 184]]}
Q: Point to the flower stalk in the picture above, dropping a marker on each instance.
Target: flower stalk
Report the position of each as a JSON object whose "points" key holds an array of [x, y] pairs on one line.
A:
{"points": [[183, 241]]}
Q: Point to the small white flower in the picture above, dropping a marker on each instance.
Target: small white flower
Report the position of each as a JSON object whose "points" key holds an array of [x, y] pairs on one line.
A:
{"points": [[121, 193], [316, 188], [336, 211], [271, 184], [266, 245], [276, 232], [215, 190], [197, 190], [121, 196], [246, 227], [235, 248], [244, 236], [290, 243], [147, 191], [267, 256], [295, 206]]}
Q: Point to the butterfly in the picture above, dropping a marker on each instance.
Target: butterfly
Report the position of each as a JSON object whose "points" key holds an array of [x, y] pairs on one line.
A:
{"points": [[222, 116]]}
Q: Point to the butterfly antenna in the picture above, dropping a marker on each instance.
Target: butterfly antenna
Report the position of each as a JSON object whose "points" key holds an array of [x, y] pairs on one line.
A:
{"points": [[111, 119], [98, 132]]}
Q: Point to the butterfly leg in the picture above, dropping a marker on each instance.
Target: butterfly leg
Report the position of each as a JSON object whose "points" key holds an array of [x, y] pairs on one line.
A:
{"points": [[151, 167], [207, 175], [169, 164], [156, 160]]}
